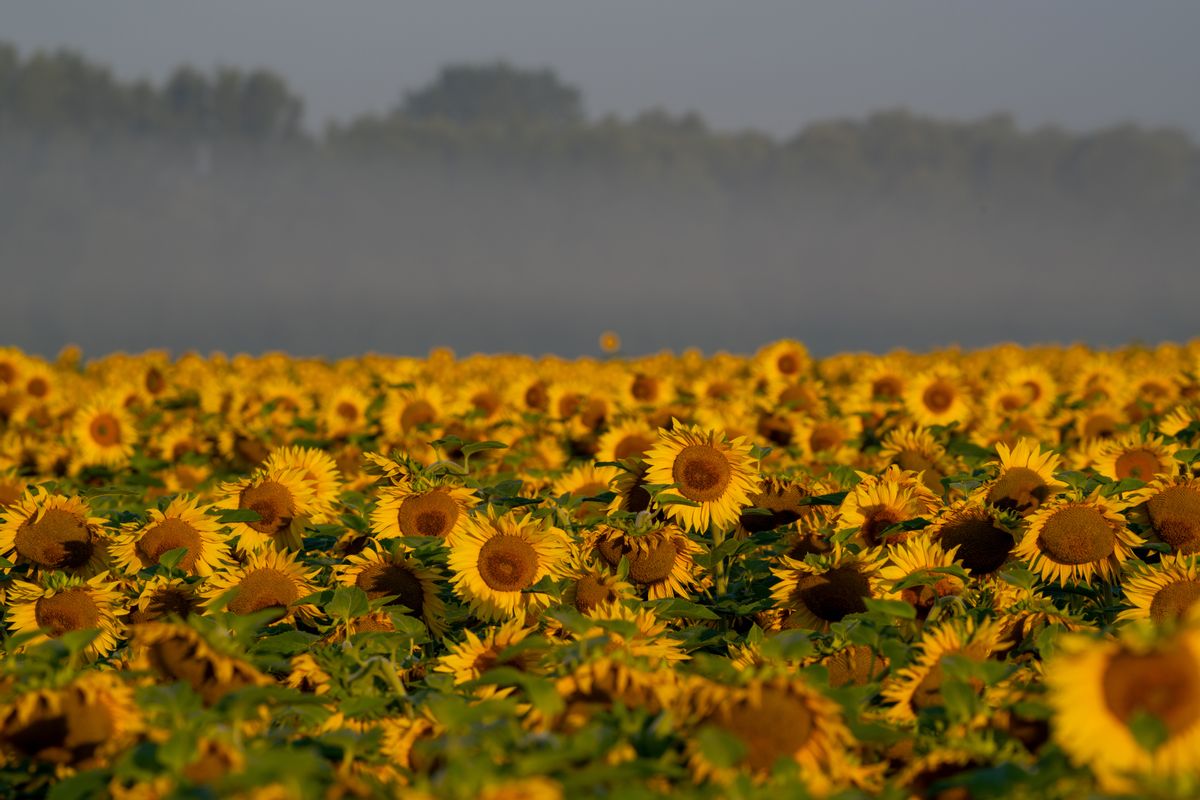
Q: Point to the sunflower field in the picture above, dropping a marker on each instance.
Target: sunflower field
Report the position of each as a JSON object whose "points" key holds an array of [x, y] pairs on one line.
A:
{"points": [[948, 575]]}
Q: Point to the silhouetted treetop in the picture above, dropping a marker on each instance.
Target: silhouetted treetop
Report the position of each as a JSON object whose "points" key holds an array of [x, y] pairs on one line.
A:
{"points": [[498, 92]]}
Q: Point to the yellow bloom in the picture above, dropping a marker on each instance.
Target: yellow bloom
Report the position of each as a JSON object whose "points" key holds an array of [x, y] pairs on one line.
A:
{"points": [[707, 469], [183, 523], [1076, 539]]}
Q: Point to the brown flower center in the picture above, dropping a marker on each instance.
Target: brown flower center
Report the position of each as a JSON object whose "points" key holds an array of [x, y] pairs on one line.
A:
{"points": [[382, 580], [264, 587], [825, 437], [788, 363], [1077, 534], [507, 563], [631, 445], [347, 411], [702, 472], [1099, 426], [536, 397], [1165, 684], [105, 430], [1175, 515], [591, 591], [167, 601], [1173, 599], [69, 610], [645, 389], [876, 520], [37, 387], [58, 540], [70, 736], [272, 502], [155, 383], [855, 665], [832, 595], [983, 547], [887, 387], [1140, 464], [418, 412], [1018, 489], [170, 534], [779, 726], [938, 396], [433, 513], [654, 564]]}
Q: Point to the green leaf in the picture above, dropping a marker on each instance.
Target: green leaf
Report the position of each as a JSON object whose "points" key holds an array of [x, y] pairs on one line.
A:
{"points": [[6, 564], [720, 747], [1149, 731], [677, 607], [348, 602], [675, 500], [171, 558], [478, 447], [288, 643], [891, 608], [83, 786], [238, 515]]}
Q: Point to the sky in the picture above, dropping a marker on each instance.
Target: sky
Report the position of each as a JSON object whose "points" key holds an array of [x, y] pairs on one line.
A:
{"points": [[773, 65]]}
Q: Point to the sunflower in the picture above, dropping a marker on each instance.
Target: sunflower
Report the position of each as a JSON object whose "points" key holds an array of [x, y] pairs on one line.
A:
{"points": [[345, 412], [1176, 421], [497, 558], [854, 665], [590, 587], [268, 579], [183, 523], [282, 498], [1132, 456], [104, 432], [180, 441], [161, 597], [319, 471], [1025, 480], [53, 532], [773, 718], [582, 482], [475, 655], [406, 413], [597, 686], [877, 503], [630, 487], [661, 560], [1098, 689], [826, 439], [978, 535], [176, 652], [1100, 421], [820, 590], [1170, 508], [81, 725], [937, 397], [639, 634], [916, 449], [12, 489], [382, 573], [918, 686], [630, 438], [306, 675], [781, 502], [918, 558], [214, 759], [59, 604], [782, 361], [937, 774], [1076, 539], [1163, 591], [707, 469], [439, 510]]}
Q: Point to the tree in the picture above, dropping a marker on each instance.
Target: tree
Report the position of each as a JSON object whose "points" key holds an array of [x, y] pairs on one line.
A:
{"points": [[499, 92]]}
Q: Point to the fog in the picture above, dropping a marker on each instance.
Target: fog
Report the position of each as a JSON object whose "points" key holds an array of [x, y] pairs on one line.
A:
{"points": [[126, 249]]}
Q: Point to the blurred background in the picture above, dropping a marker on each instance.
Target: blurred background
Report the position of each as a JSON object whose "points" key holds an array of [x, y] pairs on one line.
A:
{"points": [[332, 178]]}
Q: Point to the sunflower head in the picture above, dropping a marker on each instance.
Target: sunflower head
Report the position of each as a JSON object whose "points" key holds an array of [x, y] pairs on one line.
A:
{"points": [[717, 476]]}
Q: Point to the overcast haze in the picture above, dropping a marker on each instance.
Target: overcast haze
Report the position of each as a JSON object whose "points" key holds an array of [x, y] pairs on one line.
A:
{"points": [[769, 65]]}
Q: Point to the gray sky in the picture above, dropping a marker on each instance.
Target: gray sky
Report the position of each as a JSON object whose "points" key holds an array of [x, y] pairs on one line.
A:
{"points": [[774, 65]]}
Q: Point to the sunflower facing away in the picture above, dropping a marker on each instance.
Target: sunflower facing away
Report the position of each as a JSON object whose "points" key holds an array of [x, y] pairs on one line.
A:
{"points": [[707, 469]]}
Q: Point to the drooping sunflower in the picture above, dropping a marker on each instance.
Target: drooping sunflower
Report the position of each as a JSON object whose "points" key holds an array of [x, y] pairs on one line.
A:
{"points": [[80, 725], [436, 510], [1170, 508], [161, 597], [879, 502], [707, 469], [183, 523], [177, 652], [919, 685], [497, 558], [661, 560], [1132, 456], [1098, 689], [382, 573], [774, 718], [282, 498], [821, 590], [937, 397], [268, 579], [978, 534], [475, 655], [1074, 539], [320, 472], [1162, 591], [53, 532], [1025, 480], [104, 432], [61, 604], [780, 502]]}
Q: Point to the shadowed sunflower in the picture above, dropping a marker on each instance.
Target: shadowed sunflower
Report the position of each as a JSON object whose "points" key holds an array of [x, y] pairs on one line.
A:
{"points": [[183, 523], [781, 502], [916, 449], [81, 725], [773, 718], [914, 563], [937, 397], [178, 653], [281, 498], [584, 481], [53, 532], [470, 658], [60, 604], [637, 633], [319, 471], [707, 469], [439, 511], [161, 598], [661, 560], [597, 686], [977, 534], [877, 503], [407, 412], [497, 558], [919, 685], [629, 485], [1132, 456], [381, 573], [1170, 508], [1162, 591], [268, 579], [936, 774], [1076, 539], [1025, 480], [1099, 690], [103, 432], [821, 590], [631, 438], [591, 586], [854, 665]]}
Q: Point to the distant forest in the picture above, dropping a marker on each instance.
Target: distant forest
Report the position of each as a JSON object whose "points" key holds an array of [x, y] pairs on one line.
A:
{"points": [[503, 116]]}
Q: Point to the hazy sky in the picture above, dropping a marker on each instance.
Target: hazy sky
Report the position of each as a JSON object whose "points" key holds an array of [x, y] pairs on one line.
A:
{"points": [[771, 65]]}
